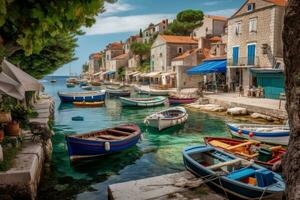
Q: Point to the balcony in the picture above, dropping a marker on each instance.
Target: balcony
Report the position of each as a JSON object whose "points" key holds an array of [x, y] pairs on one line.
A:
{"points": [[243, 62]]}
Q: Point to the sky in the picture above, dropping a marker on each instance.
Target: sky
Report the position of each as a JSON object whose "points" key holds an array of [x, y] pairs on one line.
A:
{"points": [[127, 17]]}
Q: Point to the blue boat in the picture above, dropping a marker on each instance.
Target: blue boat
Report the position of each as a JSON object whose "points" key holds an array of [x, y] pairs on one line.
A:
{"points": [[90, 96], [233, 175], [104, 142]]}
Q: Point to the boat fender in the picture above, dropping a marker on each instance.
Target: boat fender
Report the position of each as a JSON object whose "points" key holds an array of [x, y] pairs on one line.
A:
{"points": [[74, 97], [92, 97], [142, 137], [240, 132], [107, 146], [251, 134]]}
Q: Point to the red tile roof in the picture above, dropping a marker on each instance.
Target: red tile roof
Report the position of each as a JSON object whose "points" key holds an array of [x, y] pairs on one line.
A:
{"points": [[215, 39], [121, 57], [115, 46], [278, 2], [186, 54], [179, 39], [220, 18]]}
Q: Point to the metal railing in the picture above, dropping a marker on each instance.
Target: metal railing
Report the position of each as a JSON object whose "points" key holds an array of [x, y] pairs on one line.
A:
{"points": [[243, 61]]}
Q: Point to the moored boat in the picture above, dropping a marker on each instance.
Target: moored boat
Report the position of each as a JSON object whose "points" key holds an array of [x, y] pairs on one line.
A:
{"points": [[72, 80], [118, 92], [103, 142], [181, 100], [77, 118], [89, 104], [87, 87], [95, 83], [273, 134], [263, 154], [231, 174], [167, 118], [89, 96], [143, 102], [154, 92], [70, 85]]}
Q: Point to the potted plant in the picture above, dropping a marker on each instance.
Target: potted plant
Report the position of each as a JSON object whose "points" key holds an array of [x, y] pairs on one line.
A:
{"points": [[13, 128], [5, 108], [1, 133]]}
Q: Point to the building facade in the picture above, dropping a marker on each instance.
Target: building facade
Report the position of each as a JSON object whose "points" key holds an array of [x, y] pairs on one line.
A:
{"points": [[254, 42], [153, 30]]}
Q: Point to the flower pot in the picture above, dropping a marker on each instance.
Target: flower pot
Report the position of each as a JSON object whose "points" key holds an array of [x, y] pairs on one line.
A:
{"points": [[1, 135], [13, 128], [5, 117]]}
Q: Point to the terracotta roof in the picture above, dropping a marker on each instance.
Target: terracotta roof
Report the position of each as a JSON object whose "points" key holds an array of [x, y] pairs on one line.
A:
{"points": [[215, 39], [96, 55], [179, 39], [216, 58], [221, 18], [186, 54], [115, 46], [278, 2], [121, 57]]}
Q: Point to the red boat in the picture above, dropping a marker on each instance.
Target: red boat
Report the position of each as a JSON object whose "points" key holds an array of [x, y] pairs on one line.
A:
{"points": [[179, 100], [262, 154]]}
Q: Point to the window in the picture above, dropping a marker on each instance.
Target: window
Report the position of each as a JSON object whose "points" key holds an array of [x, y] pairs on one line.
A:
{"points": [[253, 25], [238, 28], [179, 50], [250, 7]]}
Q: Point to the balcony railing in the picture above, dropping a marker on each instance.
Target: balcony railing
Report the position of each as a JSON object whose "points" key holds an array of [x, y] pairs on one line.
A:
{"points": [[244, 61]]}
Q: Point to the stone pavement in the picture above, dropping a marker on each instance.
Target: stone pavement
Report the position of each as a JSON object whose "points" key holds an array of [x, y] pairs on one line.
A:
{"points": [[260, 105]]}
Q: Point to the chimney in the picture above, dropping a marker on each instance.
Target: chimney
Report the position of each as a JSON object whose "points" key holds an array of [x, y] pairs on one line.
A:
{"points": [[201, 43]]}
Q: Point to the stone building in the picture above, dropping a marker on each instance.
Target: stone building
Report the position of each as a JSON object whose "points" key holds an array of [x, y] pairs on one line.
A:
{"points": [[212, 26], [96, 64], [255, 46], [154, 29], [164, 49], [186, 61], [112, 51]]}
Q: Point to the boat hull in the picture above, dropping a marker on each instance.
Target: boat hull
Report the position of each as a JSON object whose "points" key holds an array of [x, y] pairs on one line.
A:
{"points": [[281, 138], [133, 103], [178, 101], [80, 148], [225, 184], [119, 93], [82, 98], [163, 123]]}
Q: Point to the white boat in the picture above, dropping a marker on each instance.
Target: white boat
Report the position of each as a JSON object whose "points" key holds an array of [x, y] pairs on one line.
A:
{"points": [[143, 102], [167, 118], [154, 92], [273, 134]]}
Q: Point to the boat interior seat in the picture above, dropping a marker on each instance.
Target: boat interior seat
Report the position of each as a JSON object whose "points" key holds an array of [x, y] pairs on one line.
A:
{"points": [[109, 137], [264, 177], [118, 132], [219, 144], [241, 174], [223, 164]]}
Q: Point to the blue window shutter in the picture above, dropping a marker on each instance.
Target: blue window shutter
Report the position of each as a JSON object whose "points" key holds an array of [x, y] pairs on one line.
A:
{"points": [[251, 54], [235, 56]]}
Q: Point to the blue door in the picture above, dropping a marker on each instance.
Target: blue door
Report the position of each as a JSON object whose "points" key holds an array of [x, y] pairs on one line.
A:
{"points": [[251, 54], [235, 56]]}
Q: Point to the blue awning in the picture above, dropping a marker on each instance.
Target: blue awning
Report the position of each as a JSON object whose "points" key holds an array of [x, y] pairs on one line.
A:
{"points": [[109, 73], [209, 66]]}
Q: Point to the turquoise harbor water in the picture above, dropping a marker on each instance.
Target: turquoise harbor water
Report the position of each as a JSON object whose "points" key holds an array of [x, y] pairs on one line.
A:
{"points": [[159, 152]]}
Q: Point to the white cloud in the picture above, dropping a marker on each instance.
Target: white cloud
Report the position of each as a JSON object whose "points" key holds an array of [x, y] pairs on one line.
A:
{"points": [[225, 12], [117, 7], [118, 24]]}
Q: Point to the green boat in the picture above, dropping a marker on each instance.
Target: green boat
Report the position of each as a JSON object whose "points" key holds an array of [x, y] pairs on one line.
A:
{"points": [[143, 102]]}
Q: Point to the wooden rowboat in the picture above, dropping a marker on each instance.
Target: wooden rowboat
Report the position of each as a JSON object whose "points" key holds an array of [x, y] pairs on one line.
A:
{"points": [[143, 102], [231, 174], [273, 134], [70, 85], [89, 104], [167, 118], [118, 92], [263, 154], [103, 142], [90, 96], [180, 100]]}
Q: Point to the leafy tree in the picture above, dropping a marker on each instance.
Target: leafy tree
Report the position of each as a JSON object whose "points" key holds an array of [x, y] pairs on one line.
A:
{"points": [[30, 26], [145, 66], [291, 35], [121, 73], [186, 21], [141, 49], [141, 33], [59, 50], [85, 67]]}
